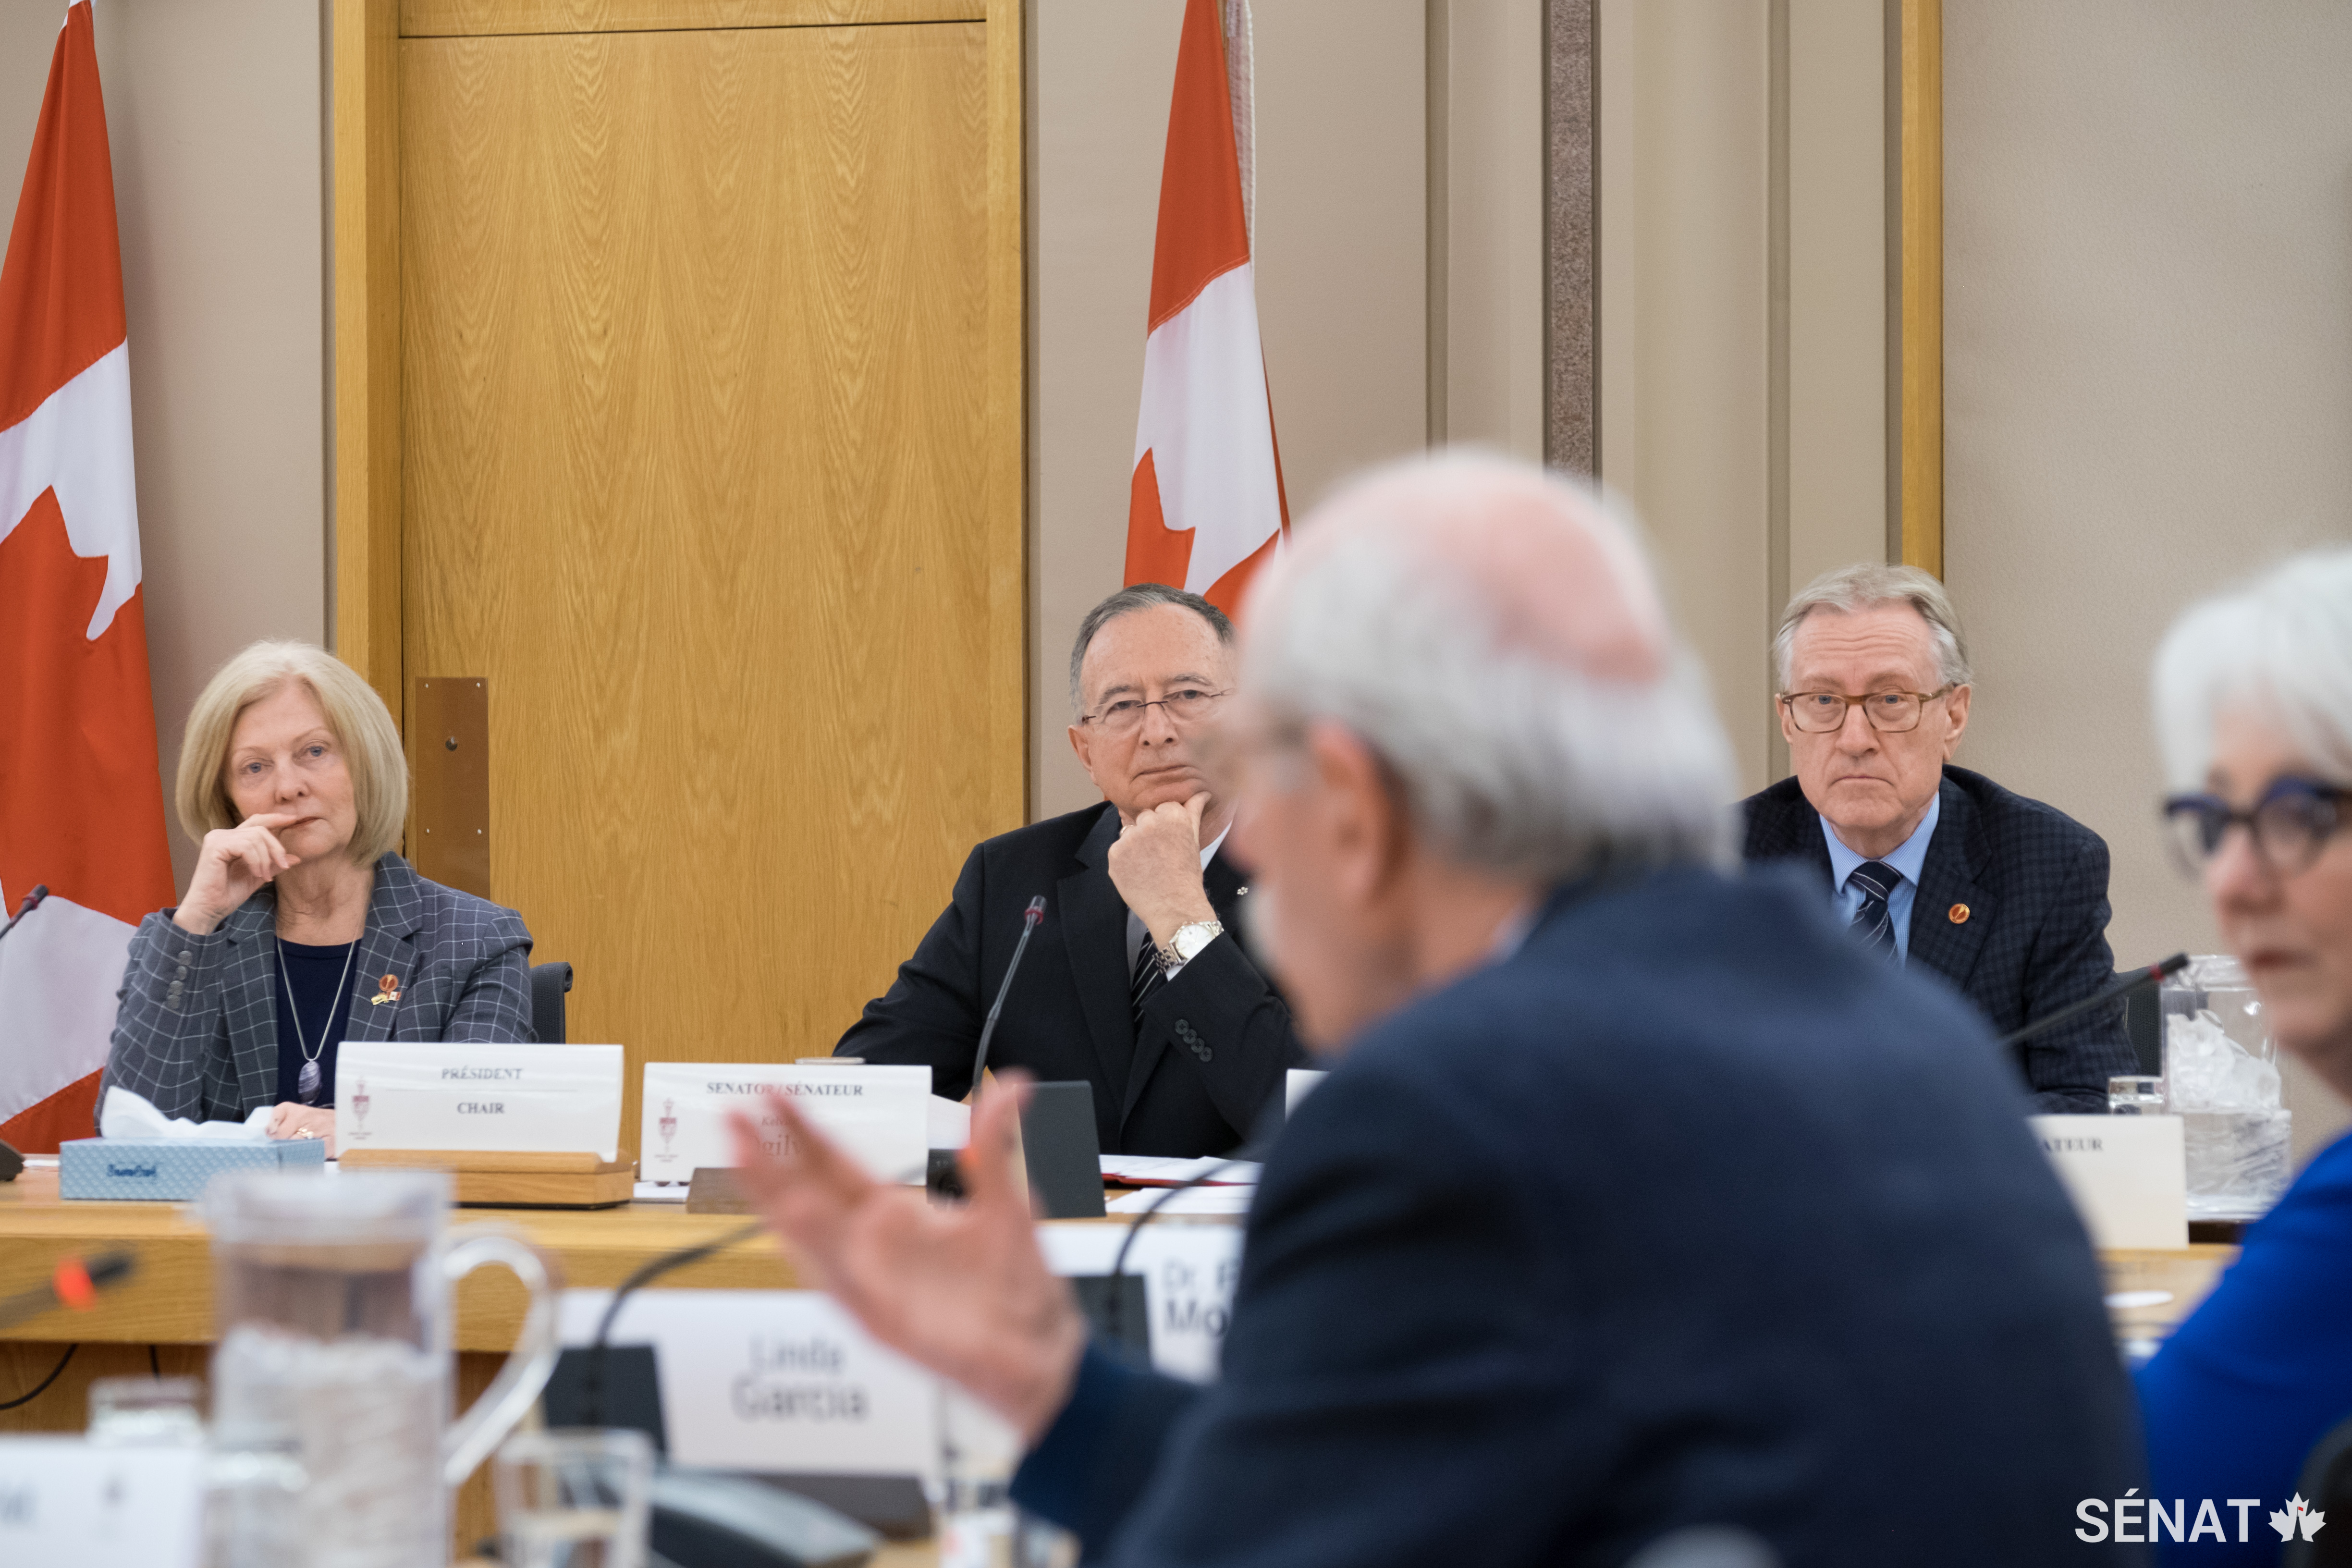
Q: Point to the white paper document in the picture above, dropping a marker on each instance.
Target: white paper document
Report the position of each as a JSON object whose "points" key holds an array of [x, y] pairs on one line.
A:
{"points": [[1160, 1171], [545, 1099], [880, 1115], [1194, 1201]]}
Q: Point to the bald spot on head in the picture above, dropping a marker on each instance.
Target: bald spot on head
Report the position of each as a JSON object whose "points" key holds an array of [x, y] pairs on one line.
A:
{"points": [[1555, 575]]}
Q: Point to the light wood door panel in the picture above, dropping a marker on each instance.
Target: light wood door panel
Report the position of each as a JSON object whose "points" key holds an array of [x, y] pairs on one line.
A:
{"points": [[695, 399], [425, 18]]}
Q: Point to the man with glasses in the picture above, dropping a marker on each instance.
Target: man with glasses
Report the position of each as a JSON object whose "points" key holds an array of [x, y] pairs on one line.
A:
{"points": [[1133, 980], [1934, 866]]}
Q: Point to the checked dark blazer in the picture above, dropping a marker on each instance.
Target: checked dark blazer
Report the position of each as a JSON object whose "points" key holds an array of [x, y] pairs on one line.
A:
{"points": [[1689, 1212], [2034, 883], [1215, 1040], [197, 1032]]}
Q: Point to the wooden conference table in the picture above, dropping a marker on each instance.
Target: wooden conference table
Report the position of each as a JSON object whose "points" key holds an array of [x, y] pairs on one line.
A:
{"points": [[162, 1319]]}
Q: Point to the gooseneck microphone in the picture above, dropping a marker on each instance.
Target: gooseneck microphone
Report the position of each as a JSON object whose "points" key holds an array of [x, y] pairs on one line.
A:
{"points": [[2154, 974], [592, 1382], [1030, 918], [32, 901]]}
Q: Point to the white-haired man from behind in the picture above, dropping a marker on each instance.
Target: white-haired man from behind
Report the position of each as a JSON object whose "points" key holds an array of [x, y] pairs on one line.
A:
{"points": [[1639, 1199], [1937, 869]]}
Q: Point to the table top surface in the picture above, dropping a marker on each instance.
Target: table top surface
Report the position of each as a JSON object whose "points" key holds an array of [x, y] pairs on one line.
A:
{"points": [[169, 1299]]}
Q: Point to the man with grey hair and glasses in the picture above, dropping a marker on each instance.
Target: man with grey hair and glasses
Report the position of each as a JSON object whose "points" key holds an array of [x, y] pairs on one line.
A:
{"points": [[1638, 1200], [1133, 980], [1935, 868]]}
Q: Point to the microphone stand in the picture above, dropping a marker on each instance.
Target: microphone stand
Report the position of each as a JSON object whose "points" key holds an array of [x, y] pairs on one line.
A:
{"points": [[2107, 995], [1029, 922], [32, 901], [591, 1392]]}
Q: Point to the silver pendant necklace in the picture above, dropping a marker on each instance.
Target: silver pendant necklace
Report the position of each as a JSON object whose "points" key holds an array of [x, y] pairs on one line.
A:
{"points": [[306, 1082]]}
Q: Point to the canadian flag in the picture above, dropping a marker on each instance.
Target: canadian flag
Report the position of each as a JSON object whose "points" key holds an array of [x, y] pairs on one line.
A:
{"points": [[1206, 508], [82, 806]]}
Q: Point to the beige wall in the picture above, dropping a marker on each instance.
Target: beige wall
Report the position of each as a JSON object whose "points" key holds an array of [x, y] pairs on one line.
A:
{"points": [[213, 118], [1742, 176], [2148, 373], [1343, 253]]}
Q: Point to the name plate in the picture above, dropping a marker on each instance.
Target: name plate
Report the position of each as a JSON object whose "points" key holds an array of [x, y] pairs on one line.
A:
{"points": [[542, 1098], [1189, 1274], [2127, 1176], [66, 1501], [773, 1380], [880, 1115]]}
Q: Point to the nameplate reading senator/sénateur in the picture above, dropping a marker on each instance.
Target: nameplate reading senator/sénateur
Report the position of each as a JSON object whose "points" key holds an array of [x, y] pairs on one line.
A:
{"points": [[879, 1114], [2127, 1175], [560, 1098]]}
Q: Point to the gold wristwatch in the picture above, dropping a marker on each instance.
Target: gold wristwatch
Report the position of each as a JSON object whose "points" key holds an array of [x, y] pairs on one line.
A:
{"points": [[1186, 944]]}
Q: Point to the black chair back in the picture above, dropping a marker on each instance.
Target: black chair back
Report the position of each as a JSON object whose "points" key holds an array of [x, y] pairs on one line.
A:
{"points": [[2325, 1487], [549, 983]]}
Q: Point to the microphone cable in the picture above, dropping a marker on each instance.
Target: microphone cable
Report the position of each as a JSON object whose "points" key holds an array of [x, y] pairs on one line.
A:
{"points": [[592, 1392]]}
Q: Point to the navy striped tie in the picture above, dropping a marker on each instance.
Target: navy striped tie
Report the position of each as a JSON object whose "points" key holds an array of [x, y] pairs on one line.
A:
{"points": [[1874, 923], [1148, 978]]}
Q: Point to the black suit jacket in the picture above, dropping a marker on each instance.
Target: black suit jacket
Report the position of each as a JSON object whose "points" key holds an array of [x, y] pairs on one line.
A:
{"points": [[1690, 1212], [1215, 1040], [2034, 883]]}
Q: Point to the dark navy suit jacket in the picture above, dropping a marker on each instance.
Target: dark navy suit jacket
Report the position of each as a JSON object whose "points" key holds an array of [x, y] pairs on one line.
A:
{"points": [[1214, 1043], [1691, 1211], [2033, 884]]}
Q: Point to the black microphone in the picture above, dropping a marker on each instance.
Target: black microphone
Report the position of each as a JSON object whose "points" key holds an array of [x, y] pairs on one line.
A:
{"points": [[1030, 919], [2154, 974], [32, 901], [592, 1389]]}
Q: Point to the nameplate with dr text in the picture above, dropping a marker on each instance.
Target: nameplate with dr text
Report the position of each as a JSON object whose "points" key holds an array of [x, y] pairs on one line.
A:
{"points": [[2127, 1176], [880, 1115], [546, 1098]]}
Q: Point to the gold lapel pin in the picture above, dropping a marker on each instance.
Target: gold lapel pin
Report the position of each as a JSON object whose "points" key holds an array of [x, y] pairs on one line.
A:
{"points": [[388, 991], [1960, 914]]}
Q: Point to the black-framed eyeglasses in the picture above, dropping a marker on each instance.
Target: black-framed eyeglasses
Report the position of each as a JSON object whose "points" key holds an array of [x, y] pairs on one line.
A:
{"points": [[1891, 712], [2290, 824], [1189, 705]]}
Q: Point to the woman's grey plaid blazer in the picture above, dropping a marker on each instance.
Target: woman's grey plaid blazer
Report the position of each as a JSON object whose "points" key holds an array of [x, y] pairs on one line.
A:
{"points": [[197, 1029]]}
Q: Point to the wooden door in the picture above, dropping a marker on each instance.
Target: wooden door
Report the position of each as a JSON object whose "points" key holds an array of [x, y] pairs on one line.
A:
{"points": [[708, 449]]}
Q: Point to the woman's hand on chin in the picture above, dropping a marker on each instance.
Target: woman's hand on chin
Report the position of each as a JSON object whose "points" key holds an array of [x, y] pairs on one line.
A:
{"points": [[234, 864]]}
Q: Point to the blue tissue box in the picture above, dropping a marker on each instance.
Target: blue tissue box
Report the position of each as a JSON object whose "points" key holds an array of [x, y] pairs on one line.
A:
{"points": [[172, 1170]]}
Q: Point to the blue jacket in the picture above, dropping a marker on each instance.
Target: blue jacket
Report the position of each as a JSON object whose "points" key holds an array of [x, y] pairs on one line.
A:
{"points": [[1690, 1211], [2236, 1398], [2033, 882]]}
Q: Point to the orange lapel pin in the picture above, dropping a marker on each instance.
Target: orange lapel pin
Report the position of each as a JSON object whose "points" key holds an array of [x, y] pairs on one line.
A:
{"points": [[388, 991], [1960, 914]]}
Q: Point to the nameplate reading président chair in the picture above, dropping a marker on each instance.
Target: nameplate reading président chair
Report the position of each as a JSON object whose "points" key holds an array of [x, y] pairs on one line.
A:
{"points": [[520, 1125]]}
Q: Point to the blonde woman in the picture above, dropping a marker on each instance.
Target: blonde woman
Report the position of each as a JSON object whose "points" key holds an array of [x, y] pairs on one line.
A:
{"points": [[301, 930]]}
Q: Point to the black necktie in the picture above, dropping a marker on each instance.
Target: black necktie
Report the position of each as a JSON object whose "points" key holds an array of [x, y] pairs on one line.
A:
{"points": [[1874, 923], [1146, 979]]}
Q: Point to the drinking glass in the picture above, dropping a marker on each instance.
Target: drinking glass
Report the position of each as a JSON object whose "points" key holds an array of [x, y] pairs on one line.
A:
{"points": [[574, 1498], [145, 1412], [2131, 1094]]}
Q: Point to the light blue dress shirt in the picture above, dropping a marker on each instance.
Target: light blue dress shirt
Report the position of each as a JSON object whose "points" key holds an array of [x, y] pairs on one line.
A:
{"points": [[1906, 860]]}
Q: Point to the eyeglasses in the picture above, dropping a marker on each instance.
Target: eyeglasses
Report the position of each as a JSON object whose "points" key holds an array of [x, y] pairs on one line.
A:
{"points": [[1891, 712], [2290, 824], [1123, 716]]}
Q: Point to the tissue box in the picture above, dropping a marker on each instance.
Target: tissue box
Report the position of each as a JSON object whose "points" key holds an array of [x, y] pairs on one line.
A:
{"points": [[172, 1169]]}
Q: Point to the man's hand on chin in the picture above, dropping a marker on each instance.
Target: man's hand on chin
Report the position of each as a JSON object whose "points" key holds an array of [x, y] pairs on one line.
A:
{"points": [[1156, 867], [961, 1290]]}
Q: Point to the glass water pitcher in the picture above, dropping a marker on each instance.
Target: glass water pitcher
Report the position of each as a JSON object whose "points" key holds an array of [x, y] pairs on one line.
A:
{"points": [[333, 1298]]}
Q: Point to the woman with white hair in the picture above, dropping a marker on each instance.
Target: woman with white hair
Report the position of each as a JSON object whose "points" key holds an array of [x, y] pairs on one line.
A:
{"points": [[2253, 706], [301, 930]]}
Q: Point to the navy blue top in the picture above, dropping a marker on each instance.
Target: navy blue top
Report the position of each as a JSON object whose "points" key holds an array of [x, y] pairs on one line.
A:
{"points": [[2259, 1373], [1518, 1287], [313, 972]]}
